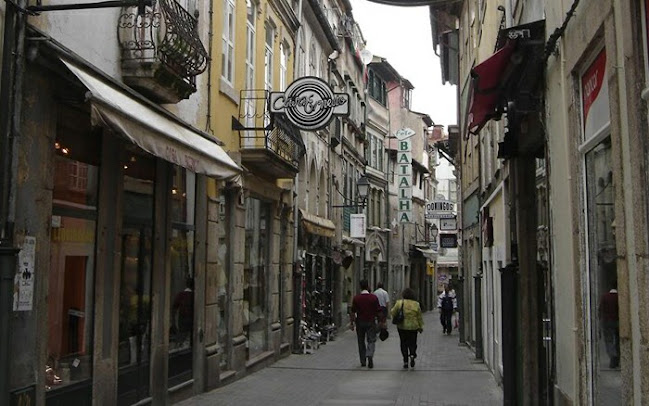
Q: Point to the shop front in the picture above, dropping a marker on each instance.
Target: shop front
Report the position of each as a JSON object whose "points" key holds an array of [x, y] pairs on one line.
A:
{"points": [[120, 237]]}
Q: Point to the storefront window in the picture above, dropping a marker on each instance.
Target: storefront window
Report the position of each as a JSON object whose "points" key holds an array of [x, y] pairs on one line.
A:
{"points": [[600, 192], [135, 285], [254, 289], [72, 265], [183, 200]]}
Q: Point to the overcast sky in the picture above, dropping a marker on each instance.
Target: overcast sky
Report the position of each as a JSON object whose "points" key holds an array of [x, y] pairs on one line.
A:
{"points": [[402, 35]]}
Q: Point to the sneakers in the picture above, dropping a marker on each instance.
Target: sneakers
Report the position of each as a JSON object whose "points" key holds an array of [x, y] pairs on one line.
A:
{"points": [[405, 364], [370, 362], [412, 361]]}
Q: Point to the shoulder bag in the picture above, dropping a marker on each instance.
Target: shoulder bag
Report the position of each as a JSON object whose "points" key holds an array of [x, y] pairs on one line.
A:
{"points": [[400, 316]]}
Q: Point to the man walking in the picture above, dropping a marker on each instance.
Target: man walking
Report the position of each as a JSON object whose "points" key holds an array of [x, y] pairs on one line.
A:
{"points": [[365, 311], [384, 298], [447, 303], [608, 313]]}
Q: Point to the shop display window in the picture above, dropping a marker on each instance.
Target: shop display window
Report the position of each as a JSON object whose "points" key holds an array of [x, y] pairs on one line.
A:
{"points": [[72, 261], [135, 280], [255, 268], [181, 312], [600, 193]]}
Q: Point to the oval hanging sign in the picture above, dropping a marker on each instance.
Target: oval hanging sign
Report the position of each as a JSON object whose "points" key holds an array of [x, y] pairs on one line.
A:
{"points": [[309, 103]]}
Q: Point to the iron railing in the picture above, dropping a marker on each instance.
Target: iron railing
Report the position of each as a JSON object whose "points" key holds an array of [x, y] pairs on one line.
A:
{"points": [[166, 32], [259, 130]]}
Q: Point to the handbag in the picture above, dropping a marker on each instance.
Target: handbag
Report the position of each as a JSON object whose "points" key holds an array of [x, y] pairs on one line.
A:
{"points": [[399, 317], [383, 334]]}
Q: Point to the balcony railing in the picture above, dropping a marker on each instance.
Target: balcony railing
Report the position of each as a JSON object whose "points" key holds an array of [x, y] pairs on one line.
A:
{"points": [[161, 51], [262, 136]]}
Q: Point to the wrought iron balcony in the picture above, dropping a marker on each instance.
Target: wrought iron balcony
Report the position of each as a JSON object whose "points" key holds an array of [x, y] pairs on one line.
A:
{"points": [[161, 51], [269, 145]]}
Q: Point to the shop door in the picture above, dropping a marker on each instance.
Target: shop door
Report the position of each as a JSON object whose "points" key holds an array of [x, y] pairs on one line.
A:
{"points": [[135, 285]]}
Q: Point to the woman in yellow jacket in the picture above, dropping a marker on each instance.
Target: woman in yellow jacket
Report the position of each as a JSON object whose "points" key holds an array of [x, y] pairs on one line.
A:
{"points": [[412, 324]]}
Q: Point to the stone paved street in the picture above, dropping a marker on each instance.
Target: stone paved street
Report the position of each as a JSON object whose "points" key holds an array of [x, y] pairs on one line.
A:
{"points": [[445, 374]]}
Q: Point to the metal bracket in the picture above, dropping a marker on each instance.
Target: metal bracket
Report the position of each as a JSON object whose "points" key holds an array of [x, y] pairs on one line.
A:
{"points": [[140, 4]]}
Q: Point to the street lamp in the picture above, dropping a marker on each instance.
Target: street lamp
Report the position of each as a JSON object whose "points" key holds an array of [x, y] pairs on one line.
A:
{"points": [[434, 231], [363, 188]]}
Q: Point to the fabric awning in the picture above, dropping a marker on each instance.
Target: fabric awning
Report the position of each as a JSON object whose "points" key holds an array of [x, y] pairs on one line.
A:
{"points": [[487, 87], [427, 252], [151, 130], [354, 241], [318, 225]]}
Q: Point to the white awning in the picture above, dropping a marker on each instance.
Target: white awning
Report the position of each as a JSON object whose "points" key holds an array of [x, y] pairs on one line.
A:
{"points": [[153, 131]]}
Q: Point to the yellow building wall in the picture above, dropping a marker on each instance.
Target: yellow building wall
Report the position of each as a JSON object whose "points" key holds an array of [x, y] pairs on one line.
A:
{"points": [[223, 107]]}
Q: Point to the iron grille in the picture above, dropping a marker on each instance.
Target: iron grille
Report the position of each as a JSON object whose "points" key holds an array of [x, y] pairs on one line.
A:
{"points": [[166, 32]]}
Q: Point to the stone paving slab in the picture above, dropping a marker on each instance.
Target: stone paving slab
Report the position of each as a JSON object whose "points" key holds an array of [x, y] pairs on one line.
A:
{"points": [[446, 374]]}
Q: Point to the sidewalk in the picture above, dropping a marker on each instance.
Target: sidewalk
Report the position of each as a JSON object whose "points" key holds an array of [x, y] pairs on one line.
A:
{"points": [[445, 374]]}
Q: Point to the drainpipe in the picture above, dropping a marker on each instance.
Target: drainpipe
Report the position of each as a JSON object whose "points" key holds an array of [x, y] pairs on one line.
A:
{"points": [[297, 262]]}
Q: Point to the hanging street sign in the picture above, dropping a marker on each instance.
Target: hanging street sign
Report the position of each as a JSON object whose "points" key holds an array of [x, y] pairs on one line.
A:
{"points": [[440, 209], [448, 240], [448, 224], [309, 103], [404, 174], [357, 226]]}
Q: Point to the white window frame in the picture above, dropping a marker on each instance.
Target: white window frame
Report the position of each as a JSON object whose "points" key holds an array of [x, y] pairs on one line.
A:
{"points": [[587, 145], [229, 10], [251, 40], [283, 66], [268, 56]]}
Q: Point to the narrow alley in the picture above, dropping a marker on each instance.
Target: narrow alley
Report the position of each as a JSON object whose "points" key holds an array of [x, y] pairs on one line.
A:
{"points": [[445, 374]]}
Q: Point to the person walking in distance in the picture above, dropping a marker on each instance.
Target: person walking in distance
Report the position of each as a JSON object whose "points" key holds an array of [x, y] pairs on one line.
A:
{"points": [[447, 303], [411, 324], [384, 298], [365, 311], [608, 314]]}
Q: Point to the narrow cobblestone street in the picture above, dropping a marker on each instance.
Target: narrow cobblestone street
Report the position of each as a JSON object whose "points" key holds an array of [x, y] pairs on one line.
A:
{"points": [[445, 374]]}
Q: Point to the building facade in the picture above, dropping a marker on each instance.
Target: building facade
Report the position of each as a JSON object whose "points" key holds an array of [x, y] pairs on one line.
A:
{"points": [[564, 211]]}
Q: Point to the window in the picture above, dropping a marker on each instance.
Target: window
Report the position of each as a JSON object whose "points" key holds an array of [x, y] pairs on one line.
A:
{"points": [[312, 59], [283, 66], [181, 254], [227, 56], [406, 95], [377, 88], [268, 57], [71, 274], [255, 278], [250, 44]]}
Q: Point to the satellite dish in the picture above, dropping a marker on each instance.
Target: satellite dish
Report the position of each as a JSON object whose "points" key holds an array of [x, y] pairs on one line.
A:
{"points": [[366, 56]]}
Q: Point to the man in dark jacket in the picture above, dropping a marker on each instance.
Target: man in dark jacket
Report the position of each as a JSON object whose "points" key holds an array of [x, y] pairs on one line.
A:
{"points": [[363, 316], [447, 303]]}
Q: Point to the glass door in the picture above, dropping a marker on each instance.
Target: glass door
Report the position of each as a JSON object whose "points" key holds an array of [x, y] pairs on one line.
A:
{"points": [[135, 285]]}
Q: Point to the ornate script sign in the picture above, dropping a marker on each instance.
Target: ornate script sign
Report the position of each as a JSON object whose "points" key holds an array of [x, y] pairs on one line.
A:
{"points": [[309, 103]]}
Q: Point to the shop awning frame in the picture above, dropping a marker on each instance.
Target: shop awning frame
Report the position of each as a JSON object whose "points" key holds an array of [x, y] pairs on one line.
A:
{"points": [[318, 225], [151, 130]]}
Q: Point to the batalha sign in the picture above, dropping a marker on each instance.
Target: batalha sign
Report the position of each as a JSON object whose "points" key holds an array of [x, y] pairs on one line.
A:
{"points": [[309, 103]]}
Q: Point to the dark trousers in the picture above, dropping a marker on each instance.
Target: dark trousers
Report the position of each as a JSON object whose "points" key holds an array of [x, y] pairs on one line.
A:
{"points": [[408, 340], [612, 340], [366, 331], [445, 319]]}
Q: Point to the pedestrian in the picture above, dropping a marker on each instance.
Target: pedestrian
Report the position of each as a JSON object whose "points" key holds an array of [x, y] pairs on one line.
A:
{"points": [[384, 298], [608, 314], [412, 324], [364, 314], [447, 303]]}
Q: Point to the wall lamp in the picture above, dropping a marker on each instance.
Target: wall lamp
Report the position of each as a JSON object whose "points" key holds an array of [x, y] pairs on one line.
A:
{"points": [[362, 190]]}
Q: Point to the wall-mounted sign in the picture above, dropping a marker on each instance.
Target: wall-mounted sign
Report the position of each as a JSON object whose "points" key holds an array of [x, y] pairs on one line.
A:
{"points": [[448, 240], [448, 224], [357, 226], [404, 174], [594, 95], [440, 209], [309, 103], [24, 279]]}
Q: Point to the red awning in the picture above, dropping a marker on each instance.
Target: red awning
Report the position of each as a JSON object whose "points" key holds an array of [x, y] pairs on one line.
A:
{"points": [[487, 87]]}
